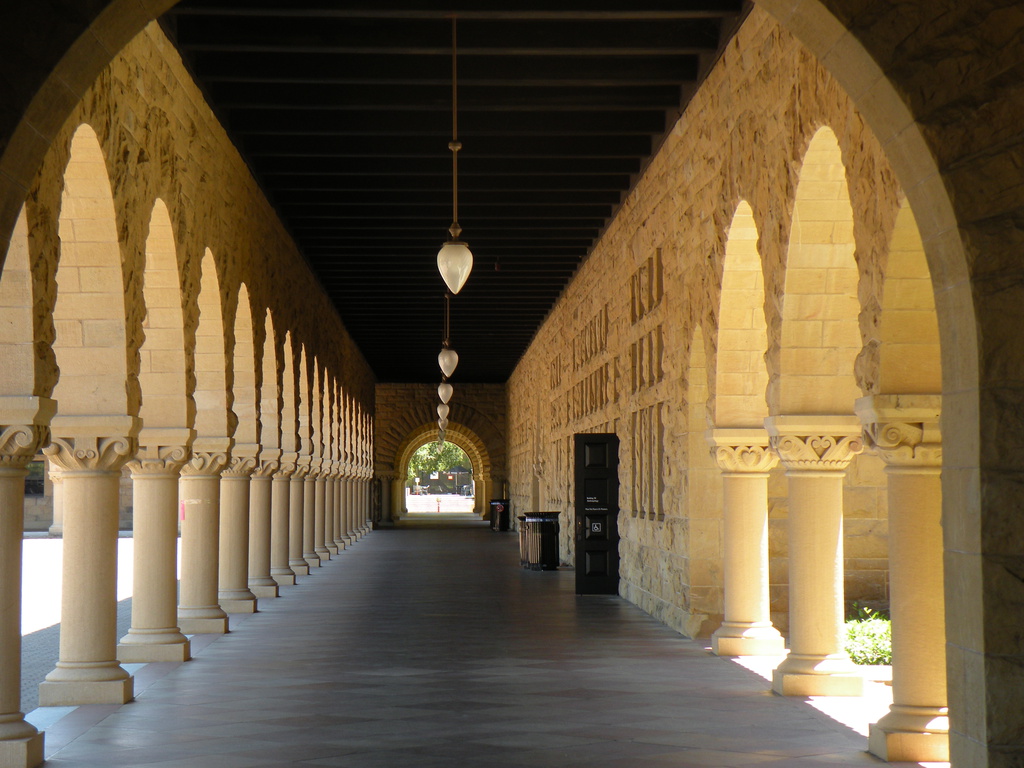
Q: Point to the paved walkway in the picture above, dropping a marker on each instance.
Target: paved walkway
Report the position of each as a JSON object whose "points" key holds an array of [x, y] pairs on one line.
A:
{"points": [[432, 648]]}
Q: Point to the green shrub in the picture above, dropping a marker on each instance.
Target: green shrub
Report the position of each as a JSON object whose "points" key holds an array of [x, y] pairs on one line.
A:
{"points": [[869, 638]]}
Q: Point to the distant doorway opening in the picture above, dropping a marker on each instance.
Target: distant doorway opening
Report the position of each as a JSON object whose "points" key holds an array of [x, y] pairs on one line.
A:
{"points": [[439, 480]]}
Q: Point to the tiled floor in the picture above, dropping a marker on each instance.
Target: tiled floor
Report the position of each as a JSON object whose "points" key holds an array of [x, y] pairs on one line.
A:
{"points": [[433, 648]]}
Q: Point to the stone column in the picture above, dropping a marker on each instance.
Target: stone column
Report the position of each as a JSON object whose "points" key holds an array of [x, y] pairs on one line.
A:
{"points": [[233, 592], [57, 482], [346, 510], [320, 515], [280, 570], [23, 429], [339, 493], [359, 526], [309, 515], [154, 634], [90, 452], [745, 460], [816, 450], [261, 582], [296, 514], [904, 431], [199, 491], [331, 484], [386, 481]]}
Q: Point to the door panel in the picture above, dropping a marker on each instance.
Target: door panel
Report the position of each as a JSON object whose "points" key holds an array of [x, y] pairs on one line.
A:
{"points": [[597, 514]]}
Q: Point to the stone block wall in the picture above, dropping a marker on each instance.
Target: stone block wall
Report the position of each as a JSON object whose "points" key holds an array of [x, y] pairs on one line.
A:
{"points": [[632, 346]]}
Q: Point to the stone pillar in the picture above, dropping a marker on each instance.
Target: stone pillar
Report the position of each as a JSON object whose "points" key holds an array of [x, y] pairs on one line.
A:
{"points": [[339, 493], [199, 491], [22, 430], [816, 451], [346, 510], [296, 514], [904, 431], [331, 484], [261, 581], [386, 481], [361, 505], [233, 592], [154, 634], [745, 460], [90, 452], [280, 570], [309, 515], [320, 516], [57, 483]]}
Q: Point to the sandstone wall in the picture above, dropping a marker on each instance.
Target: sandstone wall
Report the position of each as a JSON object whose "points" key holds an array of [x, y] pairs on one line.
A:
{"points": [[632, 346]]}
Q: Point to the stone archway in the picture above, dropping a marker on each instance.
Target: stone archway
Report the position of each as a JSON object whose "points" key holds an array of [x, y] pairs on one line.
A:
{"points": [[464, 438]]}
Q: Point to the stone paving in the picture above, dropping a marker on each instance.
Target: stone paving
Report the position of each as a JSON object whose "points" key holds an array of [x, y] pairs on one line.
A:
{"points": [[432, 648]]}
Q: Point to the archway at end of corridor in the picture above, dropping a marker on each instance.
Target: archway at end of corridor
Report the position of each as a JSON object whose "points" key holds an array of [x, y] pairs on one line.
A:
{"points": [[439, 479], [404, 499]]}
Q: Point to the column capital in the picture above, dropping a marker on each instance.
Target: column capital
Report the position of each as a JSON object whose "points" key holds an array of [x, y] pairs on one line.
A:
{"points": [[742, 451], [24, 428], [242, 462], [161, 451], [302, 467], [812, 443], [286, 464], [92, 443], [269, 462], [903, 430], [210, 455]]}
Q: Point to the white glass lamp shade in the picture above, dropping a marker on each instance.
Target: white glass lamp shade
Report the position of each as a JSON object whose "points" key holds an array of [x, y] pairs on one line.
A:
{"points": [[440, 437], [444, 391], [442, 424], [455, 262], [448, 359], [442, 411]]}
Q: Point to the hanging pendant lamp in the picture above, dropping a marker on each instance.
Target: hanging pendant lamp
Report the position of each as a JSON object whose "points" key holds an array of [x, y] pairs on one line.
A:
{"points": [[447, 358], [445, 391], [455, 260], [442, 411]]}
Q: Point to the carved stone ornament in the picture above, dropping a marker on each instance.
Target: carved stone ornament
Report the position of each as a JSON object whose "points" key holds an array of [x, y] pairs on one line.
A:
{"points": [[285, 469], [19, 443], [745, 459], [902, 444], [301, 469], [240, 466], [205, 463], [266, 468], [90, 453], [821, 453], [159, 459]]}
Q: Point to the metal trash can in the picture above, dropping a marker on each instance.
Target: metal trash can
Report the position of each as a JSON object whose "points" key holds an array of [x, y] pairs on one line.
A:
{"points": [[523, 559], [500, 511], [541, 541]]}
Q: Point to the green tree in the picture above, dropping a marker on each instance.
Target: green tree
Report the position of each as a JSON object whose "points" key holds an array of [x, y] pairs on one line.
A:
{"points": [[433, 458]]}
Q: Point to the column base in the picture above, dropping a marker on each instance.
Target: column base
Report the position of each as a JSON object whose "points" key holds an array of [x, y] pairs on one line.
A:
{"points": [[349, 539], [72, 693], [300, 568], [911, 735], [238, 605], [833, 675], [264, 590], [203, 626], [747, 640], [340, 544], [312, 560], [323, 553], [22, 753], [141, 653], [285, 578], [332, 548]]}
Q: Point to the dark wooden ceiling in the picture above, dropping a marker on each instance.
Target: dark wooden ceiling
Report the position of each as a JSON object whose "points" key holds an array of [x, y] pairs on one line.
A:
{"points": [[343, 111]]}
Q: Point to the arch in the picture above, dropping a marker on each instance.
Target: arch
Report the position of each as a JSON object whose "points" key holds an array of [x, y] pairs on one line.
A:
{"points": [[910, 360], [820, 331], [17, 349], [165, 399], [89, 314], [289, 405], [213, 419], [741, 377], [457, 433], [243, 378], [271, 400]]}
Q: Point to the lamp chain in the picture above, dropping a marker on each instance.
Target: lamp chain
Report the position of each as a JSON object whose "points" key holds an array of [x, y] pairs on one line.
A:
{"points": [[455, 145]]}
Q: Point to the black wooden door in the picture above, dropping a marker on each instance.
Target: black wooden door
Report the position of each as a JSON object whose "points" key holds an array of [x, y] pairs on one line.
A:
{"points": [[597, 514]]}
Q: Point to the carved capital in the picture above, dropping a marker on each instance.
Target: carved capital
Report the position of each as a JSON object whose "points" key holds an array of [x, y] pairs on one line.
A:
{"points": [[302, 467], [239, 466], [743, 451], [903, 429], [159, 459], [19, 443], [815, 443], [90, 453], [205, 463]]}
